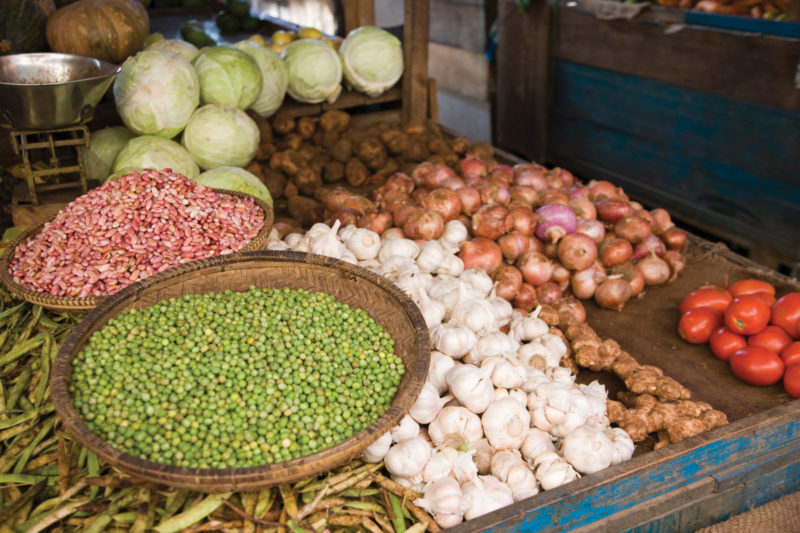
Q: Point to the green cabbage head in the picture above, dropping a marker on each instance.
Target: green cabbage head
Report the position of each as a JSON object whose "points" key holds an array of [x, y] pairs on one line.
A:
{"points": [[315, 71], [152, 151], [372, 59], [227, 76], [235, 179], [274, 77], [104, 145], [156, 92], [221, 135], [179, 46]]}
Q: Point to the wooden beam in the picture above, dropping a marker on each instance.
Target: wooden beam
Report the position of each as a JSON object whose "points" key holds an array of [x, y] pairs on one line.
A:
{"points": [[358, 13], [415, 50]]}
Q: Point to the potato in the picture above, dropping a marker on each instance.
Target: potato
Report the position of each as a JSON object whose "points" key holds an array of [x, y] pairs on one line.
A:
{"points": [[482, 150], [334, 120], [396, 141], [264, 129], [342, 150], [460, 145], [290, 190], [306, 126], [371, 152], [282, 123], [265, 151], [291, 141], [275, 182], [307, 181], [292, 162], [333, 171], [318, 161], [438, 146], [356, 172], [307, 211], [416, 151], [389, 168]]}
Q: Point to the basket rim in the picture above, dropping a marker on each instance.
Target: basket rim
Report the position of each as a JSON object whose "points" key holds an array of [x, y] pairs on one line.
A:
{"points": [[251, 477], [70, 303]]}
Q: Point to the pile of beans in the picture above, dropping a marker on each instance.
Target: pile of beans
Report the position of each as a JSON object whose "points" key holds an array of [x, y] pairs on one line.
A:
{"points": [[129, 228], [235, 379]]}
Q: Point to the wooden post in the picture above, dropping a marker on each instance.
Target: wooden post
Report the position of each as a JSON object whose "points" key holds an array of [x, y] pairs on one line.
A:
{"points": [[415, 49], [358, 13]]}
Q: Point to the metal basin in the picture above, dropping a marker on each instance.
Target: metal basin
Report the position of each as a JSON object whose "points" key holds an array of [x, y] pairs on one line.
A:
{"points": [[50, 90]]}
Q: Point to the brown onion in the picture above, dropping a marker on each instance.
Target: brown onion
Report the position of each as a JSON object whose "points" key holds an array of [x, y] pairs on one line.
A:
{"points": [[654, 269], [377, 222], [614, 251], [424, 224], [674, 238], [572, 306], [566, 177], [492, 193], [578, 191], [612, 293], [403, 213], [453, 183], [420, 172], [334, 200], [513, 244], [526, 298], [577, 251], [613, 209], [391, 200], [632, 228], [346, 216], [630, 273], [472, 166], [536, 268], [530, 175], [599, 190], [419, 195], [584, 208], [643, 214], [536, 245], [399, 181], [550, 249], [584, 282], [355, 201], [676, 264], [523, 220], [662, 221], [437, 175], [555, 196], [508, 280], [502, 172], [444, 201], [548, 293], [481, 253], [475, 181], [651, 244], [561, 274], [490, 221], [593, 228], [285, 228], [524, 195], [470, 200]]}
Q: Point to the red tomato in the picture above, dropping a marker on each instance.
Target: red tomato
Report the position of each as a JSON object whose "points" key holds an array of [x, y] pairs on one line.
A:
{"points": [[772, 338], [724, 342], [791, 380], [711, 296], [747, 314], [696, 325], [767, 297], [756, 365], [786, 313], [750, 286], [791, 354]]}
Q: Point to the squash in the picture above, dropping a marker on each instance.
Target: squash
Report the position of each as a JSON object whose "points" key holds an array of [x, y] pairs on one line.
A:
{"points": [[111, 30], [22, 24]]}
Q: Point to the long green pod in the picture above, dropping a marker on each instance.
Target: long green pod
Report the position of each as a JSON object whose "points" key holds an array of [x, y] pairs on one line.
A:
{"points": [[193, 515]]}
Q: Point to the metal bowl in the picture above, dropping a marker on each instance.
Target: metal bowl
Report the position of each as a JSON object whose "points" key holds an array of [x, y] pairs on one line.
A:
{"points": [[50, 90]]}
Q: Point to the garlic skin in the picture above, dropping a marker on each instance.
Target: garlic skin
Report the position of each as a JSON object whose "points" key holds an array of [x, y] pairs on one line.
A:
{"points": [[431, 256], [494, 343], [622, 443], [451, 265], [527, 328], [440, 465], [348, 257], [372, 265], [375, 452], [408, 458], [398, 266], [406, 429], [433, 311], [450, 462], [484, 494], [293, 240], [502, 310], [327, 242], [455, 232], [402, 247], [455, 425], [560, 373], [320, 228], [277, 245], [531, 350], [471, 387], [363, 243], [273, 235], [443, 499], [555, 344], [558, 408], [508, 467], [506, 423], [508, 373], [453, 339], [437, 371], [427, 405], [552, 471], [344, 232], [587, 449], [481, 452], [536, 443], [475, 313], [478, 279]]}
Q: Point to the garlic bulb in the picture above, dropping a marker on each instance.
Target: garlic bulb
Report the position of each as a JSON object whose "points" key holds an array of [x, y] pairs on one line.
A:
{"points": [[451, 265], [408, 458], [453, 339], [495, 343], [530, 351], [375, 452], [320, 228], [560, 373], [370, 264], [455, 232], [397, 266], [587, 449], [455, 425], [277, 245], [481, 452], [558, 408], [500, 392], [274, 235], [401, 247], [414, 482], [471, 387], [432, 310], [437, 371], [533, 378], [475, 313], [443, 499], [348, 257], [292, 240], [508, 373], [427, 405], [484, 494], [448, 461], [623, 445], [412, 282], [506, 423], [536, 443], [406, 429], [555, 344], [596, 393], [431, 256], [502, 310], [508, 467], [478, 279], [528, 327], [327, 242], [518, 394], [364, 243], [439, 465], [552, 471], [346, 231]]}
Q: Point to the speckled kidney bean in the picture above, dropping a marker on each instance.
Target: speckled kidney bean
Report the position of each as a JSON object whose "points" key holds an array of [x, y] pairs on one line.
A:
{"points": [[129, 228]]}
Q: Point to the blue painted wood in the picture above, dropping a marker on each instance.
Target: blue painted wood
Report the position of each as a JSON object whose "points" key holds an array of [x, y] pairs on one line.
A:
{"points": [[749, 24]]}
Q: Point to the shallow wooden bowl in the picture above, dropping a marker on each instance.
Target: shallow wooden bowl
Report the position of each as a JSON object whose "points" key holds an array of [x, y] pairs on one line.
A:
{"points": [[349, 284]]}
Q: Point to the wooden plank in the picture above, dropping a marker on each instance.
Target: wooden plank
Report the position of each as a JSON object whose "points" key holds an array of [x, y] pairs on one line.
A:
{"points": [[459, 23], [745, 66], [358, 13], [415, 52], [346, 100]]}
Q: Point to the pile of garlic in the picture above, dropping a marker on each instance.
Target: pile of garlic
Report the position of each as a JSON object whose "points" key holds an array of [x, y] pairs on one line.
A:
{"points": [[497, 419]]}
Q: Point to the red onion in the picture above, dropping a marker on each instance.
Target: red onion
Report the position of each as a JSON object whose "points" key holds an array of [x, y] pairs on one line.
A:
{"points": [[470, 200], [579, 191], [334, 199], [593, 228], [472, 166], [548, 293], [643, 214], [536, 268], [584, 208], [453, 183], [550, 250], [508, 280], [420, 172], [676, 263], [444, 201], [613, 209], [561, 275], [651, 243], [572, 306], [565, 176], [490, 221], [530, 175], [475, 181], [526, 298], [661, 220], [555, 196], [424, 224], [377, 222], [556, 221], [437, 175], [360, 203], [584, 282], [502, 172], [577, 251], [493, 193], [674, 238], [599, 190], [523, 220], [654, 269], [524, 195], [614, 251], [393, 233], [612, 293], [419, 195], [513, 245], [632, 228], [536, 245], [346, 216], [481, 253], [392, 200], [630, 273], [636, 205], [402, 214], [399, 181]]}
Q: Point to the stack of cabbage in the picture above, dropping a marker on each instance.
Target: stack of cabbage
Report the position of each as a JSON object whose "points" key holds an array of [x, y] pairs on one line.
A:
{"points": [[184, 108]]}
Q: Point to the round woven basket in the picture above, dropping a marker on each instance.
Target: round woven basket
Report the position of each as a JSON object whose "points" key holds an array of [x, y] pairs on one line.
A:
{"points": [[349, 284], [67, 303]]}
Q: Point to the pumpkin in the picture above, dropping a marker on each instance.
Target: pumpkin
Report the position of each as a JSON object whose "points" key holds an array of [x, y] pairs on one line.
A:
{"points": [[110, 30], [22, 24]]}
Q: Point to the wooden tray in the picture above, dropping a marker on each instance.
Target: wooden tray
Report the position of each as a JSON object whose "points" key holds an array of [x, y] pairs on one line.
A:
{"points": [[351, 285]]}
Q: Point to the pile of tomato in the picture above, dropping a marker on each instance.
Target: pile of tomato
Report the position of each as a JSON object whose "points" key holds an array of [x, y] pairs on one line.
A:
{"points": [[748, 326]]}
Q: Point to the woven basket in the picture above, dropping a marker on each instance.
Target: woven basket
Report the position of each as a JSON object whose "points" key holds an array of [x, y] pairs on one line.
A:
{"points": [[349, 284], [67, 303]]}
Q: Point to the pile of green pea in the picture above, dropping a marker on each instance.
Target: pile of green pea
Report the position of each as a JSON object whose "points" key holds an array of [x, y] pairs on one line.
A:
{"points": [[235, 379]]}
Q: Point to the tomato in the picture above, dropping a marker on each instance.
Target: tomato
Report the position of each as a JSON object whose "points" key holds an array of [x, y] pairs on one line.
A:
{"points": [[772, 338], [750, 286], [696, 325], [747, 314], [791, 354], [791, 380], [724, 342], [711, 296], [767, 297], [756, 365], [786, 313]]}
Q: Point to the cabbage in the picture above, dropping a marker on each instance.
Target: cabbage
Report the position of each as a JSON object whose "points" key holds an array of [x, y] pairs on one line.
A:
{"points": [[221, 135], [104, 145], [179, 46], [372, 59], [227, 76], [156, 92], [235, 179], [315, 71], [151, 151], [273, 76]]}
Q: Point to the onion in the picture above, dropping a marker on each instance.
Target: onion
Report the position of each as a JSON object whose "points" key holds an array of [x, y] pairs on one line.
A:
{"points": [[548, 293], [526, 299], [676, 263], [470, 199], [554, 180], [524, 195], [475, 181], [334, 199], [523, 220], [472, 166], [403, 213], [508, 280], [393, 233], [584, 283], [561, 275], [614, 251], [556, 221], [377, 222], [632, 228], [355, 201], [502, 172], [536, 268], [613, 209], [578, 191], [630, 273], [593, 228], [661, 220], [285, 228], [584, 208], [599, 190], [674, 238], [612, 293], [424, 224], [346, 216], [490, 221], [493, 193], [577, 251], [572, 306], [651, 244], [513, 244], [419, 195], [536, 245], [399, 181], [437, 175], [654, 269], [642, 213], [530, 175], [391, 200], [481, 253], [550, 250], [420, 172], [566, 177], [555, 196], [444, 201], [453, 183]]}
